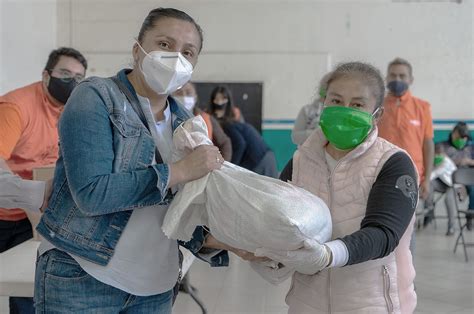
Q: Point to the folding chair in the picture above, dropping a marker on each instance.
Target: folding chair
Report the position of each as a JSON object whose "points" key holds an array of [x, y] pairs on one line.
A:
{"points": [[424, 212], [438, 190], [464, 176]]}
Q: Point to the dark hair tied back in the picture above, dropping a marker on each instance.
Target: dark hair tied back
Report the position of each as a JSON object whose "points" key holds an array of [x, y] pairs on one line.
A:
{"points": [[160, 13]]}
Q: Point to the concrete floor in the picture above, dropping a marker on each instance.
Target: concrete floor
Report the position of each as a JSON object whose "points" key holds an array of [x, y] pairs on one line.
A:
{"points": [[444, 281]]}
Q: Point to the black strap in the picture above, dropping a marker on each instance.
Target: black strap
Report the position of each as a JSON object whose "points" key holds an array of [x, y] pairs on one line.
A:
{"points": [[138, 110], [132, 100]]}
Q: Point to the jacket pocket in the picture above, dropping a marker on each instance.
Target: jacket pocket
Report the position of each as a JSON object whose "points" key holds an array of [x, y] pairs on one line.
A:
{"points": [[126, 129], [386, 288], [127, 142]]}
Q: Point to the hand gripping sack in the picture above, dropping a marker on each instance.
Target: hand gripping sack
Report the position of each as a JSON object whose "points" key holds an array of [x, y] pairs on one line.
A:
{"points": [[241, 208]]}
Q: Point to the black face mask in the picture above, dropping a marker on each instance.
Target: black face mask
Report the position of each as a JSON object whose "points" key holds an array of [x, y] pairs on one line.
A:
{"points": [[219, 106], [61, 90]]}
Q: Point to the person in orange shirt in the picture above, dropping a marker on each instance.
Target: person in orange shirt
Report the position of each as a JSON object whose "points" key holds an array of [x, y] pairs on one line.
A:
{"points": [[187, 96], [29, 139], [407, 121]]}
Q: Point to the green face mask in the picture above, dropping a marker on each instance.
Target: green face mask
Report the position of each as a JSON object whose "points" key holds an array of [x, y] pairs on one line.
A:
{"points": [[459, 143], [345, 127], [438, 159]]}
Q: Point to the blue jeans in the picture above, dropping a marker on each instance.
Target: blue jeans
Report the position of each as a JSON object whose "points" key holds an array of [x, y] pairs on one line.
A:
{"points": [[267, 166], [470, 191], [21, 305], [62, 286]]}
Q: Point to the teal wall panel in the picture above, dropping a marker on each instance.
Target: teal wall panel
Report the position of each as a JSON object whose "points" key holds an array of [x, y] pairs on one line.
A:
{"points": [[442, 135], [280, 142]]}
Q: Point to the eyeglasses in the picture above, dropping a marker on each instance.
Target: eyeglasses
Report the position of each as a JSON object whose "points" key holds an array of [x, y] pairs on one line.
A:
{"points": [[67, 76]]}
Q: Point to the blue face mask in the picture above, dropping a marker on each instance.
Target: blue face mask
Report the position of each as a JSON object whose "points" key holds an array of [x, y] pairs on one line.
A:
{"points": [[397, 88]]}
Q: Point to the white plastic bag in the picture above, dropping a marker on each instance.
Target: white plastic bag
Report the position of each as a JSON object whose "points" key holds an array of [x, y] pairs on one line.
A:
{"points": [[444, 171], [241, 208]]}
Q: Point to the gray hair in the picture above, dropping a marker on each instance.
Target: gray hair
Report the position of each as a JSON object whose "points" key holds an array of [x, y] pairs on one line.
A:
{"points": [[323, 85], [320, 94], [370, 74]]}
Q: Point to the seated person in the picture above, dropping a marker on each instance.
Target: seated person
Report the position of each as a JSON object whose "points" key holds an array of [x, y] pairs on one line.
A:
{"points": [[187, 96], [442, 182], [458, 149], [224, 97], [248, 147]]}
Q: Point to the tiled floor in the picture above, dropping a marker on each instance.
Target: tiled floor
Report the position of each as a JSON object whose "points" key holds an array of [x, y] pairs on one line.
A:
{"points": [[444, 282]]}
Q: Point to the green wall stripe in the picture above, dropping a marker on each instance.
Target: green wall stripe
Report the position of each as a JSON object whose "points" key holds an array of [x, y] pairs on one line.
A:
{"points": [[280, 142]]}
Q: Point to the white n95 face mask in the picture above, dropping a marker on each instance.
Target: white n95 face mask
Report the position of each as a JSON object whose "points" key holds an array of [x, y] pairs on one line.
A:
{"points": [[165, 71], [188, 101]]}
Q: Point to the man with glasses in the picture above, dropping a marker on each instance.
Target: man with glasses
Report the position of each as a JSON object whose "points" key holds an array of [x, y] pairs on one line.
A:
{"points": [[29, 139]]}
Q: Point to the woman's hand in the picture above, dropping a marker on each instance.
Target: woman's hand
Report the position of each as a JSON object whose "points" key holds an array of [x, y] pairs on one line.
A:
{"points": [[213, 243], [310, 259], [197, 164], [248, 256]]}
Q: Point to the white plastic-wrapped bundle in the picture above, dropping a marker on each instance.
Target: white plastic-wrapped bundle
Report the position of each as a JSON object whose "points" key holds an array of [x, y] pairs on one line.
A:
{"points": [[243, 209], [444, 171]]}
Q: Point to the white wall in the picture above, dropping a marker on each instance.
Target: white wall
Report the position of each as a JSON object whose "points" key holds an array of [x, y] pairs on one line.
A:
{"points": [[285, 44], [28, 34]]}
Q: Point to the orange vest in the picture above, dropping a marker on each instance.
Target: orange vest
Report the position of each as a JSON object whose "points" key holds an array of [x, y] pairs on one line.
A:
{"points": [[38, 143], [207, 120], [407, 122]]}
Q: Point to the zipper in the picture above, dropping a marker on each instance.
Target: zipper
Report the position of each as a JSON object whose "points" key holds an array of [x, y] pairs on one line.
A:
{"points": [[329, 269], [330, 187], [329, 292], [386, 288]]}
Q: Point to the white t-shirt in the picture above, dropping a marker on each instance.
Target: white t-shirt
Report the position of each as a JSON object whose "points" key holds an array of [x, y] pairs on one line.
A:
{"points": [[145, 261]]}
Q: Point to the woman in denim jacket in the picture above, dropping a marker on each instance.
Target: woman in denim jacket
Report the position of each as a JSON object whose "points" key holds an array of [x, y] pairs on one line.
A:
{"points": [[103, 249]]}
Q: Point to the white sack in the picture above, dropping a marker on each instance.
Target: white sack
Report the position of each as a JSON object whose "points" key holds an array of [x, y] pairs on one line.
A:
{"points": [[241, 208], [444, 171]]}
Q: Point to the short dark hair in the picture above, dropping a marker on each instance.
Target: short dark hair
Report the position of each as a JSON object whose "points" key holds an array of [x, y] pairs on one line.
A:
{"points": [[159, 13], [56, 54], [370, 75], [462, 129], [401, 61]]}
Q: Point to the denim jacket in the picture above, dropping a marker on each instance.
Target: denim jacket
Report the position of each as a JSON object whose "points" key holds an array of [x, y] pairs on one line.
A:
{"points": [[104, 171]]}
